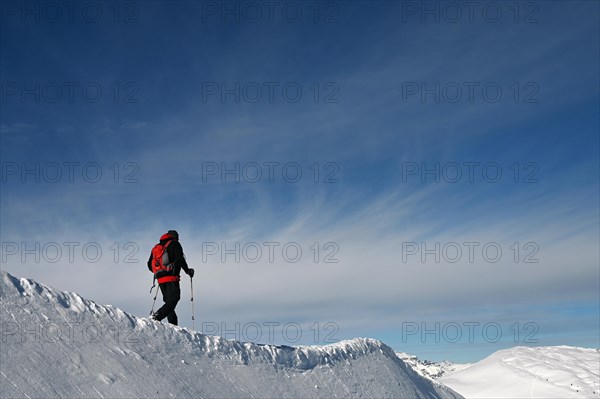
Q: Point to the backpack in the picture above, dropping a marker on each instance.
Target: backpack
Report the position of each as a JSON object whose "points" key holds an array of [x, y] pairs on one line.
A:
{"points": [[160, 259]]}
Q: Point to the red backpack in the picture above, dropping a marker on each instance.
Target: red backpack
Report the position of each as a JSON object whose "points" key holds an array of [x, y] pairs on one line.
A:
{"points": [[160, 258]]}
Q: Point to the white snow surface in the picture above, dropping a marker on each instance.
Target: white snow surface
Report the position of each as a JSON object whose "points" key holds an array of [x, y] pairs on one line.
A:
{"points": [[58, 344], [531, 372], [430, 369]]}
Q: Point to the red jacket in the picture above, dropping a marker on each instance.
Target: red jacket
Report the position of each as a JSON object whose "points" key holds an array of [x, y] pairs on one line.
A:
{"points": [[176, 257]]}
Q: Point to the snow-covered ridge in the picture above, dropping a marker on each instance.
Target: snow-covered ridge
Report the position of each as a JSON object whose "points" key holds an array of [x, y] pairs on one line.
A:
{"points": [[104, 351], [429, 369], [533, 372], [303, 357]]}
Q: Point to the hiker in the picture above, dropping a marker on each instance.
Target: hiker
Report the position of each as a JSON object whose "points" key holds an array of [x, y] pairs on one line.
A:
{"points": [[166, 261]]}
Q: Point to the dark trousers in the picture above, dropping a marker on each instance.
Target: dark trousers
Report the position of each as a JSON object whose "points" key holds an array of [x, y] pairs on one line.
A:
{"points": [[171, 295]]}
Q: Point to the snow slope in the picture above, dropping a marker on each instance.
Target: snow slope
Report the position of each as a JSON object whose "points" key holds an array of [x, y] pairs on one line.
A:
{"points": [[57, 344], [429, 369], [525, 372]]}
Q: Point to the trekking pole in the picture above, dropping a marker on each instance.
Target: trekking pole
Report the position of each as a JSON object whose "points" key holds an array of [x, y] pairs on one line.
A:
{"points": [[154, 301], [153, 283], [193, 313]]}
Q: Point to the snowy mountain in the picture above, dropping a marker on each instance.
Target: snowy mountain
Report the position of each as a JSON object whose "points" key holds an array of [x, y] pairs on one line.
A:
{"points": [[429, 369], [525, 372], [57, 344]]}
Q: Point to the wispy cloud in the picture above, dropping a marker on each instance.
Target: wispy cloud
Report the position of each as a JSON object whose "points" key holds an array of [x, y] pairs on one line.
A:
{"points": [[369, 135]]}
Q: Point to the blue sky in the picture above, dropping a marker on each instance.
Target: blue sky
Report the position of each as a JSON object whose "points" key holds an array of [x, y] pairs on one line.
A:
{"points": [[156, 121]]}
